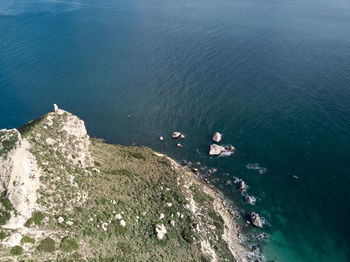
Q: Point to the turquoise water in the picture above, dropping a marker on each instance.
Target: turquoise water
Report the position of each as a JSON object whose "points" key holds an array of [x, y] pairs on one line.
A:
{"points": [[272, 76]]}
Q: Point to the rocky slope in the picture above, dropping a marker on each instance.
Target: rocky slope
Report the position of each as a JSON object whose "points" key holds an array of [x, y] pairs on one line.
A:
{"points": [[67, 197]]}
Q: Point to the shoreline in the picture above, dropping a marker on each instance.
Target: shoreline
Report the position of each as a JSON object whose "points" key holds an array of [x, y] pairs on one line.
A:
{"points": [[232, 232]]}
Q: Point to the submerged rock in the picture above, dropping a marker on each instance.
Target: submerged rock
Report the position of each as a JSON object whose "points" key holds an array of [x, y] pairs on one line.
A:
{"points": [[256, 221], [217, 137], [216, 150]]}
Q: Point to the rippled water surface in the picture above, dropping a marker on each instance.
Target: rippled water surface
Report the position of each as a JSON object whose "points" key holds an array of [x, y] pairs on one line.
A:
{"points": [[272, 76]]}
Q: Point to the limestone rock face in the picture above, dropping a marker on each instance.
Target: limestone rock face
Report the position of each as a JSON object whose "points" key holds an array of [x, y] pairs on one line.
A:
{"points": [[216, 149], [217, 137], [19, 176], [256, 221], [76, 130], [161, 231]]}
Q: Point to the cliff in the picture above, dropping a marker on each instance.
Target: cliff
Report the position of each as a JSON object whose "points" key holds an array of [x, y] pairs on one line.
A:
{"points": [[67, 197]]}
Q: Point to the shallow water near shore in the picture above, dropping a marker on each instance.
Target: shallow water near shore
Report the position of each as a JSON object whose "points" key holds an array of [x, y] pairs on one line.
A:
{"points": [[272, 76]]}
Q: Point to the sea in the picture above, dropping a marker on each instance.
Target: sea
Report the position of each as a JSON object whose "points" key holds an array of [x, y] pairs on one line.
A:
{"points": [[273, 76]]}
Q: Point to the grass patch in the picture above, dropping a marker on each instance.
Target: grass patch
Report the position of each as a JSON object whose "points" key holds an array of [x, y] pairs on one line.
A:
{"points": [[69, 244], [47, 245], [16, 251], [137, 155], [199, 196]]}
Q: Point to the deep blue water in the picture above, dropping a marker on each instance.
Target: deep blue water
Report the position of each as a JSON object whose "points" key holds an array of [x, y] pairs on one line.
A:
{"points": [[272, 76]]}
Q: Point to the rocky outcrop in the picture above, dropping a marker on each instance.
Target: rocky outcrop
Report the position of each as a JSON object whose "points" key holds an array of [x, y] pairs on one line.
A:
{"points": [[256, 221], [161, 231], [216, 150], [217, 137]]}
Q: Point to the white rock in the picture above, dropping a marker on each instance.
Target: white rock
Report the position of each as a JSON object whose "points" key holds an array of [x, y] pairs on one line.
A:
{"points": [[69, 223], [217, 137], [161, 231], [161, 138], [55, 108], [172, 223], [176, 135], [182, 136], [169, 204], [60, 220], [104, 226], [216, 149], [161, 216], [122, 223], [179, 145], [118, 216], [91, 219]]}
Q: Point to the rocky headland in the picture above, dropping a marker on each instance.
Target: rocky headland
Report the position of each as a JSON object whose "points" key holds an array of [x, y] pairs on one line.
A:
{"points": [[68, 197]]}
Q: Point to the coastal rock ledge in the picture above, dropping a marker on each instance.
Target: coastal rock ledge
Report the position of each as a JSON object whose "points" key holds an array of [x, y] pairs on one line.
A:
{"points": [[67, 197]]}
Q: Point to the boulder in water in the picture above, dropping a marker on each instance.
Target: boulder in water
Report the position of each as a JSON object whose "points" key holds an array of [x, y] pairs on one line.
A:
{"points": [[248, 199], [176, 135], [55, 108], [217, 137], [216, 149], [242, 186], [256, 221]]}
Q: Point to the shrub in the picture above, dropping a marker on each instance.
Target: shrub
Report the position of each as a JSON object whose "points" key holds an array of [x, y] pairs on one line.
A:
{"points": [[6, 203], [2, 235], [27, 239], [47, 245], [69, 244], [4, 217], [36, 219], [16, 251]]}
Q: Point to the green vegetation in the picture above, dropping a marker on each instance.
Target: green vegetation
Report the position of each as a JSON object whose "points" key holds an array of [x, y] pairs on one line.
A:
{"points": [[5, 202], [8, 140], [4, 216], [69, 244], [16, 251], [2, 235], [47, 245], [36, 218], [27, 239]]}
